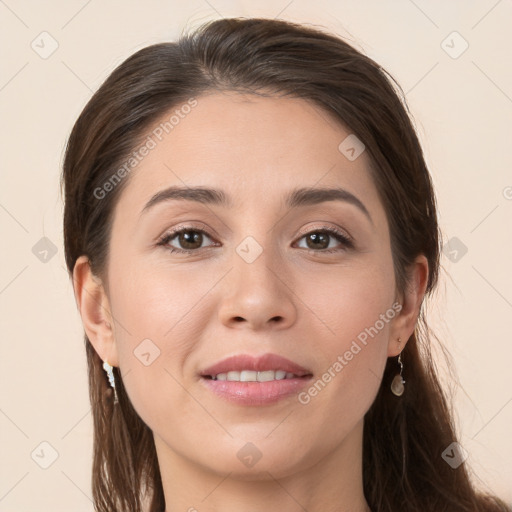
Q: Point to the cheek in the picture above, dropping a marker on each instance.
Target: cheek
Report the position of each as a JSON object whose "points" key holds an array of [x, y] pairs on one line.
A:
{"points": [[155, 301], [353, 314], [347, 301], [160, 315]]}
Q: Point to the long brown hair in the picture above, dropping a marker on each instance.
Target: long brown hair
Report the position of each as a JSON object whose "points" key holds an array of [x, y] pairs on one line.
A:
{"points": [[404, 437]]}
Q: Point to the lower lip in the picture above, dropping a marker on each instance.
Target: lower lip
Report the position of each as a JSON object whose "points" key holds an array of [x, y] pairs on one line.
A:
{"points": [[256, 393]]}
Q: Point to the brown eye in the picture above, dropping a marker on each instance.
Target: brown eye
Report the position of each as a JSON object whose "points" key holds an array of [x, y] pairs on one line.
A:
{"points": [[321, 240], [317, 240], [184, 240], [190, 239]]}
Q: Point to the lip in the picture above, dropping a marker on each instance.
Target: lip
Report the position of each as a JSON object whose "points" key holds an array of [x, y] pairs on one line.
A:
{"points": [[256, 393], [259, 364]]}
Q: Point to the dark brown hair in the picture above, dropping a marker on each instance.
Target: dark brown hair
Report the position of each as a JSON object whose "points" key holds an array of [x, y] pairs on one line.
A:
{"points": [[404, 437]]}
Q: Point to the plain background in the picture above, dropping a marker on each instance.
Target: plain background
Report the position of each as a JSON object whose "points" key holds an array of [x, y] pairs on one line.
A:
{"points": [[462, 106]]}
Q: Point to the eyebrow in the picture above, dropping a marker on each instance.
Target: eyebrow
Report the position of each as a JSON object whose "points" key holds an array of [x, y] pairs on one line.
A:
{"points": [[296, 198]]}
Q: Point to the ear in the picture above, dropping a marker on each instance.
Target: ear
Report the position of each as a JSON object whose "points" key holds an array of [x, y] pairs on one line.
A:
{"points": [[405, 322], [94, 307]]}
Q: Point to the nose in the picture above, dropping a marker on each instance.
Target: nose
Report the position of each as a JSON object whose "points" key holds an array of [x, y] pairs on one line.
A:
{"points": [[257, 295]]}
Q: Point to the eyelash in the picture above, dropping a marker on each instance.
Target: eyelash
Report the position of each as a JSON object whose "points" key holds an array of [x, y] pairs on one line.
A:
{"points": [[338, 235]]}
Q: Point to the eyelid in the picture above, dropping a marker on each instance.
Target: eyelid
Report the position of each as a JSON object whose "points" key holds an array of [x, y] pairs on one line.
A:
{"points": [[188, 226], [327, 228]]}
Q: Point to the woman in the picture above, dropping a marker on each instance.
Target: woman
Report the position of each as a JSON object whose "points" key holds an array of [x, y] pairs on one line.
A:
{"points": [[251, 230]]}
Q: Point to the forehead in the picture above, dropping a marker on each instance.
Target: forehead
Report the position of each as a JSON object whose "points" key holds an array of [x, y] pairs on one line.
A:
{"points": [[255, 148]]}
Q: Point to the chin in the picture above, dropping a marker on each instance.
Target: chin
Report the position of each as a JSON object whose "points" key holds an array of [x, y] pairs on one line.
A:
{"points": [[251, 463], [259, 472]]}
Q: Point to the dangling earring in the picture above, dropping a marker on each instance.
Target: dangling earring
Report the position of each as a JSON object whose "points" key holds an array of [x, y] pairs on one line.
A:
{"points": [[110, 374], [397, 386]]}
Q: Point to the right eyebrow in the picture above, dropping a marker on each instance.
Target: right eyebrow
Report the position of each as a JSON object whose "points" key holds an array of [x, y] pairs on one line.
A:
{"points": [[198, 194]]}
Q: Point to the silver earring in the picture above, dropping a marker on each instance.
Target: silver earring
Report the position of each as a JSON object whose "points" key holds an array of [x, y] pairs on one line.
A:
{"points": [[397, 386], [111, 379]]}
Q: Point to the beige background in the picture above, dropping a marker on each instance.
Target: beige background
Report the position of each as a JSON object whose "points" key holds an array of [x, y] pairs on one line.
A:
{"points": [[463, 110]]}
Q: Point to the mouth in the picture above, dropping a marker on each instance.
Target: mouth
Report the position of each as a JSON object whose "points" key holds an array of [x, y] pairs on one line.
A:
{"points": [[254, 376], [247, 380], [247, 368]]}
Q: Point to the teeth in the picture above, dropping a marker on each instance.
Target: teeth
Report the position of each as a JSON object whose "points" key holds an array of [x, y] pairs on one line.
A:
{"points": [[253, 376], [245, 376], [267, 376]]}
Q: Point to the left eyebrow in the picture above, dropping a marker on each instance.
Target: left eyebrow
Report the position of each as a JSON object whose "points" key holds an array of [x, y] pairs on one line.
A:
{"points": [[298, 197], [308, 196]]}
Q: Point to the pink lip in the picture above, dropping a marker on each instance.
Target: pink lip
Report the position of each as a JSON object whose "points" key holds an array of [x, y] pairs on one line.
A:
{"points": [[256, 393], [259, 364]]}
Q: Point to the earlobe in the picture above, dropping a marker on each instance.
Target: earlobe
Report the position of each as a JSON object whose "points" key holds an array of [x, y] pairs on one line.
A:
{"points": [[94, 308], [405, 322]]}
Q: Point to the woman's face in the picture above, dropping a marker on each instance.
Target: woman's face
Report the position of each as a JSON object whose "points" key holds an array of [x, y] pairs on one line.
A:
{"points": [[262, 276]]}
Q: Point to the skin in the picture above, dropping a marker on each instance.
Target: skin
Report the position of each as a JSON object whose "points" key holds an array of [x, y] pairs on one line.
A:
{"points": [[199, 308]]}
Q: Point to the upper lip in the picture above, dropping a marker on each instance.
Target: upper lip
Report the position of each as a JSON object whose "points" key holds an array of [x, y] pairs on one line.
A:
{"points": [[261, 363]]}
